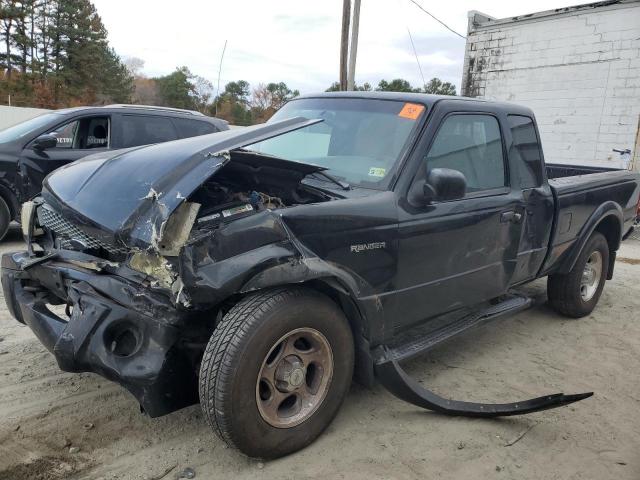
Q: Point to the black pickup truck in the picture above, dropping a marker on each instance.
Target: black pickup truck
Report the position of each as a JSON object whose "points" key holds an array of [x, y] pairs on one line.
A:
{"points": [[258, 270]]}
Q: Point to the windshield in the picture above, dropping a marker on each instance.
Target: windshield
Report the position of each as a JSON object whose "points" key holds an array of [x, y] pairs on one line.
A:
{"points": [[25, 128], [360, 140]]}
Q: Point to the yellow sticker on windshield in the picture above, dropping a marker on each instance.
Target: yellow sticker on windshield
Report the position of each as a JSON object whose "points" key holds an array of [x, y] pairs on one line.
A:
{"points": [[411, 111], [377, 172]]}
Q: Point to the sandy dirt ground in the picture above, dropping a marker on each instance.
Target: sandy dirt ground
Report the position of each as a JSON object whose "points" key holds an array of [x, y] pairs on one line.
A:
{"points": [[45, 413]]}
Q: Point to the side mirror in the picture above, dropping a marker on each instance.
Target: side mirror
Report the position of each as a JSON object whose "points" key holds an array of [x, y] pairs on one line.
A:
{"points": [[444, 184], [43, 142]]}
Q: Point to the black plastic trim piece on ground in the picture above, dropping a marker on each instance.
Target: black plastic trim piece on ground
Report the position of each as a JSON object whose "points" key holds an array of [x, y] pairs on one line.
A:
{"points": [[400, 384]]}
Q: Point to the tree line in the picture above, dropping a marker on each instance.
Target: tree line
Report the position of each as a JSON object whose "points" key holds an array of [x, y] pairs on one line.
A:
{"points": [[434, 86], [54, 53], [238, 102]]}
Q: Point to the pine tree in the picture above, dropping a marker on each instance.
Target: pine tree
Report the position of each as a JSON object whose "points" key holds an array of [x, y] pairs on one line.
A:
{"points": [[60, 50]]}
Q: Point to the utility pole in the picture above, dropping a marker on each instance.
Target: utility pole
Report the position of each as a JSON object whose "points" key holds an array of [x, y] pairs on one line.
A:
{"points": [[353, 50], [344, 43]]}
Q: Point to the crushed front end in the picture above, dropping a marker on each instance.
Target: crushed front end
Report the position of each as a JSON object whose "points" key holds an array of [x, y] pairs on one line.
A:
{"points": [[131, 255], [96, 314]]}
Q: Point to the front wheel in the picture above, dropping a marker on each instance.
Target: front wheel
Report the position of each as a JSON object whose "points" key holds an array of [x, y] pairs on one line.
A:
{"points": [[276, 371], [576, 293]]}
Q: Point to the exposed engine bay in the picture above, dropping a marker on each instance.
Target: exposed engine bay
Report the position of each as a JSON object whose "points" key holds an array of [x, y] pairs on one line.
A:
{"points": [[242, 189], [244, 186]]}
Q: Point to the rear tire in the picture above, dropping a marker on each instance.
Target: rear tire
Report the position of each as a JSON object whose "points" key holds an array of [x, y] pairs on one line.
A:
{"points": [[265, 359], [576, 293], [5, 218]]}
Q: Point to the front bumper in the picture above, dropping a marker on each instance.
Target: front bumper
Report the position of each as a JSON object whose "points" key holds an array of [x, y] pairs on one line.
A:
{"points": [[117, 328]]}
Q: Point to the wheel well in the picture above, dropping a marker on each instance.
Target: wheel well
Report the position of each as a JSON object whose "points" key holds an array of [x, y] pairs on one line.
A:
{"points": [[11, 200], [611, 229], [363, 368]]}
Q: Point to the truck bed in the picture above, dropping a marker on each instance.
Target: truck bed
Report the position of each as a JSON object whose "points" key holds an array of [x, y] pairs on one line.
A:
{"points": [[565, 179], [558, 170], [578, 192]]}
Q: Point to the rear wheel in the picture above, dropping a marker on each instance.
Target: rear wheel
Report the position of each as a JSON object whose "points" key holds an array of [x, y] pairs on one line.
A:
{"points": [[5, 218], [576, 293], [276, 371]]}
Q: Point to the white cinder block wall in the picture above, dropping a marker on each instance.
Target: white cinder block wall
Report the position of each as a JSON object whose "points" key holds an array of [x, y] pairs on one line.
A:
{"points": [[11, 115], [578, 68]]}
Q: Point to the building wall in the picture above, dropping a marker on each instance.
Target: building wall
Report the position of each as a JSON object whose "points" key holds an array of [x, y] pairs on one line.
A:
{"points": [[578, 68], [11, 115]]}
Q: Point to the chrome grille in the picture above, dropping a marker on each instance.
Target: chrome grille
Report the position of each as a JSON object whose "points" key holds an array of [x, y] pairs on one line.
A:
{"points": [[66, 231]]}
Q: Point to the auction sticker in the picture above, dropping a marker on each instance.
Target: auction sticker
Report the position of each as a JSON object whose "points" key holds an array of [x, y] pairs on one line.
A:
{"points": [[411, 111]]}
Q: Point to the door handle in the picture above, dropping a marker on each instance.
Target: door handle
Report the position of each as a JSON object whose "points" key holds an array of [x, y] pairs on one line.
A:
{"points": [[510, 216]]}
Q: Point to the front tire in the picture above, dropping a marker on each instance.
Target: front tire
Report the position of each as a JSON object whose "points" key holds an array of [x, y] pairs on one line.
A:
{"points": [[276, 371], [576, 293]]}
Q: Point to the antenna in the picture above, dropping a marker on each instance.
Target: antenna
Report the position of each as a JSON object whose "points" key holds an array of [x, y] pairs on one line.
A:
{"points": [[424, 84], [219, 72]]}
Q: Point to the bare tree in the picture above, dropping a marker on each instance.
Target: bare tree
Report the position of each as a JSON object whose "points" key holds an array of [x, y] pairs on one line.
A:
{"points": [[134, 65], [145, 91], [267, 99], [203, 91]]}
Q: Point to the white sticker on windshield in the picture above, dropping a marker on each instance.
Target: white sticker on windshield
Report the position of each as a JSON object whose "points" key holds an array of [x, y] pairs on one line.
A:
{"points": [[377, 172]]}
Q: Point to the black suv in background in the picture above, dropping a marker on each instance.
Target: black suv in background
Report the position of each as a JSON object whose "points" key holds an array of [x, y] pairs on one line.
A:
{"points": [[31, 150]]}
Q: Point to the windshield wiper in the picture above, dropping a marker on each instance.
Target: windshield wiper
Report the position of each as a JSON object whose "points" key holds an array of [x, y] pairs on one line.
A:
{"points": [[332, 179]]}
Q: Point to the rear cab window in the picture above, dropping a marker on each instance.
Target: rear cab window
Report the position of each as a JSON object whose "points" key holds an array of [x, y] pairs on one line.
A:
{"points": [[526, 152]]}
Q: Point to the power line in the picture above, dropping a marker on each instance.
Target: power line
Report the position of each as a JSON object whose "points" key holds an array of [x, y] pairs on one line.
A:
{"points": [[437, 19], [417, 61]]}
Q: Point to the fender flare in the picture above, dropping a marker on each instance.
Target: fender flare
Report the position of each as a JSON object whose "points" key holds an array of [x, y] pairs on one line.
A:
{"points": [[314, 271], [343, 288], [608, 209]]}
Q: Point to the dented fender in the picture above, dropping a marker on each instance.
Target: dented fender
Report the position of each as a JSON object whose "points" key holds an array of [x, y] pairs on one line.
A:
{"points": [[260, 252], [253, 253]]}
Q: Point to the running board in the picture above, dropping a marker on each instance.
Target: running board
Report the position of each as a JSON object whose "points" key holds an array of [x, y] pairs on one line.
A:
{"points": [[396, 380], [400, 384], [419, 344]]}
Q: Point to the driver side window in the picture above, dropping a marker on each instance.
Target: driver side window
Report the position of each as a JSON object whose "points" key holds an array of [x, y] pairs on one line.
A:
{"points": [[83, 134], [65, 135], [471, 144]]}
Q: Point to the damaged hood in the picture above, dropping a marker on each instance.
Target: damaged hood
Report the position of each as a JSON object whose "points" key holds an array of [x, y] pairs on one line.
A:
{"points": [[127, 196]]}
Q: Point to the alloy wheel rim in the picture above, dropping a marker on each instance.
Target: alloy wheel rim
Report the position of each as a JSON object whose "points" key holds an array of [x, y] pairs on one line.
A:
{"points": [[294, 378], [591, 276]]}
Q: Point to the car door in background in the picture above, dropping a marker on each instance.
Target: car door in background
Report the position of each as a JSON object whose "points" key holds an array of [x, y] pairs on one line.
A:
{"points": [[76, 138]]}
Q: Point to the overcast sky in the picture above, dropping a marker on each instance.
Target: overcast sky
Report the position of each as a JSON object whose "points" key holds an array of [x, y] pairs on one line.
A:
{"points": [[297, 41]]}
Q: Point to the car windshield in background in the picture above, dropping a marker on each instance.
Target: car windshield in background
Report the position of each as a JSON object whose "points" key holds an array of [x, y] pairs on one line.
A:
{"points": [[360, 140], [20, 130]]}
